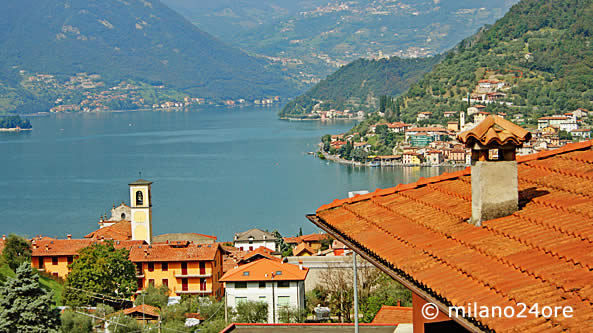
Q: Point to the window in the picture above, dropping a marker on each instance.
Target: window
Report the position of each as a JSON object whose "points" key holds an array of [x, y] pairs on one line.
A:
{"points": [[54, 260], [250, 240], [240, 285], [123, 216], [283, 284], [278, 272], [70, 260], [55, 274], [165, 282], [239, 300], [262, 284], [262, 298], [151, 282], [139, 198], [40, 262], [246, 273], [150, 266], [165, 266], [140, 283], [251, 248], [283, 301]]}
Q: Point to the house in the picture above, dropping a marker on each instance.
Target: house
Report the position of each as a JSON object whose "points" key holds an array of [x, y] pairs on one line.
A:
{"points": [[53, 256], [257, 254], [480, 116], [143, 313], [398, 127], [184, 267], [584, 133], [580, 113], [339, 248], [254, 238], [453, 126], [421, 139], [423, 116], [276, 283], [475, 109], [457, 155], [389, 314], [449, 114], [411, 158], [303, 250], [564, 123], [462, 239], [434, 157], [314, 241]]}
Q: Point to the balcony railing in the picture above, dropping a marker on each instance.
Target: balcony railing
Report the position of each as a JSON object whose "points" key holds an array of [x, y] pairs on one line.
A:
{"points": [[193, 291], [181, 274]]}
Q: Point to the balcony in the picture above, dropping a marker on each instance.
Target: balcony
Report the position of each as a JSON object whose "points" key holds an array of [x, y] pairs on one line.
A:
{"points": [[198, 292], [182, 275]]}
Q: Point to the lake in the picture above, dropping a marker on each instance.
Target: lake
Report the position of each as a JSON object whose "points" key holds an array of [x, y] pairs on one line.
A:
{"points": [[216, 171]]}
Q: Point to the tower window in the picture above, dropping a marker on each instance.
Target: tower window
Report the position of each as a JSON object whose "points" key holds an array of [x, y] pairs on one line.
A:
{"points": [[123, 216], [139, 198]]}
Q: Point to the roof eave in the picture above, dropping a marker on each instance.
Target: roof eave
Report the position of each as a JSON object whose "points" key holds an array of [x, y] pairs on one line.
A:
{"points": [[443, 308]]}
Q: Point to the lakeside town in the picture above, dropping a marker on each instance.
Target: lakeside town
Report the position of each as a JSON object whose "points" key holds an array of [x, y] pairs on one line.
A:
{"points": [[85, 92]]}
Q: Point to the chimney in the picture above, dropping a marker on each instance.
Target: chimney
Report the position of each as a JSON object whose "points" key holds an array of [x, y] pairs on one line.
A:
{"points": [[301, 265], [493, 143], [3, 237], [69, 236]]}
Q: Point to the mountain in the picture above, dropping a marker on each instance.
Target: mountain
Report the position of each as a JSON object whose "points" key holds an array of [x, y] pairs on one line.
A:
{"points": [[310, 39], [139, 40], [360, 84], [540, 53]]}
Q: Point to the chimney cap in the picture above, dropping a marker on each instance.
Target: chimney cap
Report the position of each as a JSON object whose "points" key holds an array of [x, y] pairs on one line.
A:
{"points": [[494, 131]]}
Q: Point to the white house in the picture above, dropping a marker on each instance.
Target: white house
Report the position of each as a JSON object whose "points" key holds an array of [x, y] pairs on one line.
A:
{"points": [[280, 285], [252, 239], [564, 123]]}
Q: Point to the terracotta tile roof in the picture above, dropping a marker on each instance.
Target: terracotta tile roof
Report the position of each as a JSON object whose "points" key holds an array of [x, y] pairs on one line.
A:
{"points": [[173, 252], [58, 247], [260, 252], [119, 231], [427, 129], [2, 245], [187, 236], [306, 238], [393, 315], [495, 129], [71, 247], [266, 270], [303, 247], [543, 253], [146, 309]]}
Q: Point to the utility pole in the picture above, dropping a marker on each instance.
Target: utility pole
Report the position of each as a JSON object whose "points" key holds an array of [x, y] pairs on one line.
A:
{"points": [[355, 294], [226, 309]]}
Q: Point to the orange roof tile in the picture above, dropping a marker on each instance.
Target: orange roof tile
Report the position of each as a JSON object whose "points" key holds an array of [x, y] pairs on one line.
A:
{"points": [[266, 270], [540, 254], [494, 129], [121, 230], [71, 247], [173, 252], [143, 309], [262, 252], [303, 247], [306, 238], [393, 315]]}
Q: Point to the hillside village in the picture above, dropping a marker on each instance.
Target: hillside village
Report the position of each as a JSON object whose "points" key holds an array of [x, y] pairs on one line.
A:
{"points": [[436, 145], [85, 92]]}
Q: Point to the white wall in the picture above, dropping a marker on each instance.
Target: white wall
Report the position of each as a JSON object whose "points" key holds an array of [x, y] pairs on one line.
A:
{"points": [[270, 244], [270, 294]]}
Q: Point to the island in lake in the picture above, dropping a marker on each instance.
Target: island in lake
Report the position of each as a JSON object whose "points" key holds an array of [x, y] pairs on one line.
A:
{"points": [[14, 124]]}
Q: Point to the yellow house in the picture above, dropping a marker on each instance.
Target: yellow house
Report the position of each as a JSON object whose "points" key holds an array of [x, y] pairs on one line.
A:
{"points": [[184, 267], [53, 256]]}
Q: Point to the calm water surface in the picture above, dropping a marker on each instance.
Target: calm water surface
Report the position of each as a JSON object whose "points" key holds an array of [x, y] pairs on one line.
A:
{"points": [[215, 171]]}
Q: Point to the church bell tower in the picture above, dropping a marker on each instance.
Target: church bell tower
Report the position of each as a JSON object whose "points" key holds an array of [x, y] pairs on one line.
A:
{"points": [[141, 208]]}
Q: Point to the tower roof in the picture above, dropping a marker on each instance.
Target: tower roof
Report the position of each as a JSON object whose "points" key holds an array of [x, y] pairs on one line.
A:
{"points": [[140, 182], [495, 130]]}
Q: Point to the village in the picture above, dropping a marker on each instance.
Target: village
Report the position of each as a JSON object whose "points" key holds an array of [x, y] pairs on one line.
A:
{"points": [[85, 92], [255, 266], [433, 144]]}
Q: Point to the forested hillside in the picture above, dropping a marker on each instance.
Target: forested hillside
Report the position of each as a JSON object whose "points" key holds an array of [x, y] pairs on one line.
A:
{"points": [[359, 84], [137, 40], [541, 50]]}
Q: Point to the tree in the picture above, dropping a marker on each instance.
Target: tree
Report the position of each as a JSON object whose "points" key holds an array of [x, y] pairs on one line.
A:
{"points": [[154, 296], [291, 314], [102, 270], [73, 322], [16, 251], [123, 324], [252, 312], [25, 306]]}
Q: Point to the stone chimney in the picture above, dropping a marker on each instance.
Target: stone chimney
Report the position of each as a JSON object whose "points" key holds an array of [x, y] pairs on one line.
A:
{"points": [[493, 143]]}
